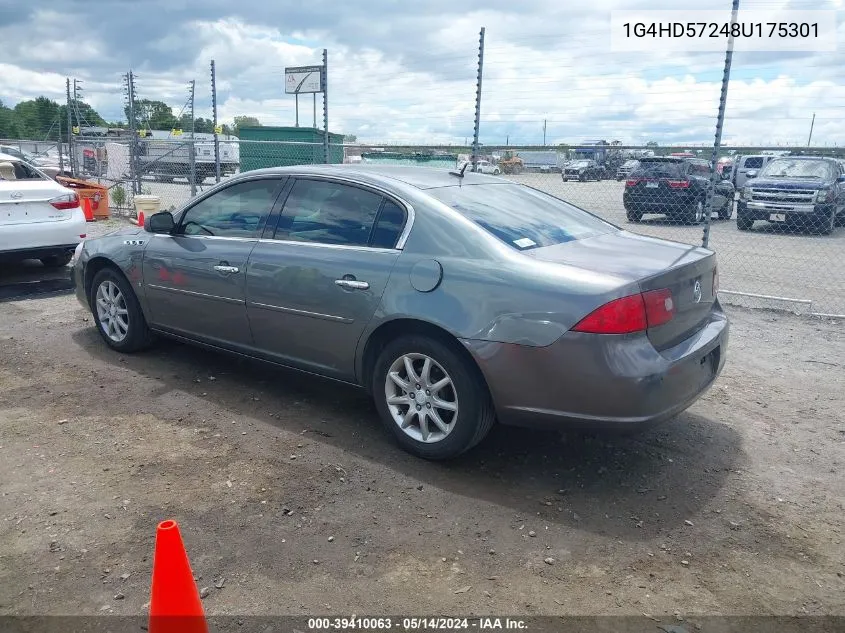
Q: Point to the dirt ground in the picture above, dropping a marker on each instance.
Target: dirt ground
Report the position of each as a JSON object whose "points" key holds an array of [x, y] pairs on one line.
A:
{"points": [[292, 499]]}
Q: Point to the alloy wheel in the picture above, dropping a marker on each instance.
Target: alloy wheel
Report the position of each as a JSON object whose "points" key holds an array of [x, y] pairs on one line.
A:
{"points": [[421, 398], [112, 311]]}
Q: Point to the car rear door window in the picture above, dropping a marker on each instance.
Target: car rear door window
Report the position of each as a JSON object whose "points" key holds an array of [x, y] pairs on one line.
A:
{"points": [[328, 212], [754, 162], [237, 211], [522, 217], [388, 228]]}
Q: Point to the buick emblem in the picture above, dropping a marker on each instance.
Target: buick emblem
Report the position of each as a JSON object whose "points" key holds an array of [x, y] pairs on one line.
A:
{"points": [[15, 195], [696, 291]]}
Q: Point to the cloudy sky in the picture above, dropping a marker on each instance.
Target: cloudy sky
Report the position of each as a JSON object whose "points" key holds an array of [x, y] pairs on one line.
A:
{"points": [[404, 71]]}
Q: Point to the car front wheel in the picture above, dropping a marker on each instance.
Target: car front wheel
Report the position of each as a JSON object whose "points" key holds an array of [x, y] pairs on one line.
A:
{"points": [[117, 313], [432, 399]]}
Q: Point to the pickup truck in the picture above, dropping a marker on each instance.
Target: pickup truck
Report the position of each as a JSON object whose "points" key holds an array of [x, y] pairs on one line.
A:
{"points": [[805, 192]]}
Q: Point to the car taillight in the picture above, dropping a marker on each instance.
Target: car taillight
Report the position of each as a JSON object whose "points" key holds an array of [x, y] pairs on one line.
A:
{"points": [[67, 201], [678, 184], [631, 182], [620, 316], [634, 313], [659, 307]]}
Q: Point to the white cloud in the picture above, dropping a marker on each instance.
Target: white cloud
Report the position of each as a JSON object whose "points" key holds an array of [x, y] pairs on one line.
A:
{"points": [[411, 78]]}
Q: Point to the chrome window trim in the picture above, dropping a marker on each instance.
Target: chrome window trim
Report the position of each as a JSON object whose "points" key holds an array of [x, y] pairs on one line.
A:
{"points": [[409, 208], [345, 247], [210, 237]]}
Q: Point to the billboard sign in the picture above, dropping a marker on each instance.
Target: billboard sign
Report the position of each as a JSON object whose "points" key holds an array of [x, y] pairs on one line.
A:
{"points": [[304, 79]]}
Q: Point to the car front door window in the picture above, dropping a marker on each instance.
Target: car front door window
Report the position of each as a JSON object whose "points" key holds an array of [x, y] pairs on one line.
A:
{"points": [[237, 211]]}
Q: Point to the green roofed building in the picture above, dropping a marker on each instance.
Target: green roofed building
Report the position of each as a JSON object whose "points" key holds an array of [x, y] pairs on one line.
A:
{"points": [[294, 146]]}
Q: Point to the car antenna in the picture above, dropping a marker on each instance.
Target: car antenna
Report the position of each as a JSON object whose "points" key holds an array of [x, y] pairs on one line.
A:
{"points": [[460, 174]]}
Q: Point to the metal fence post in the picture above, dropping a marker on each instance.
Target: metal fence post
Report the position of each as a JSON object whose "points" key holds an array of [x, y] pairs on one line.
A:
{"points": [[192, 148], [326, 154], [478, 100], [214, 118], [69, 130], [720, 122]]}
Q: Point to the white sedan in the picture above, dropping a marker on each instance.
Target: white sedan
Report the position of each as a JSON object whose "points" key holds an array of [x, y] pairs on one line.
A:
{"points": [[483, 167], [39, 218]]}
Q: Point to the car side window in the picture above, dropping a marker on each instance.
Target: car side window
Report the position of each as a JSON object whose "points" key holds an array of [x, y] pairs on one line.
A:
{"points": [[755, 162], [391, 221], [327, 212], [237, 211]]}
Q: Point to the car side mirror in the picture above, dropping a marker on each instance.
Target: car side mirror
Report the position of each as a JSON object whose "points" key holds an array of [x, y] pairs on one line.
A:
{"points": [[161, 222], [751, 173]]}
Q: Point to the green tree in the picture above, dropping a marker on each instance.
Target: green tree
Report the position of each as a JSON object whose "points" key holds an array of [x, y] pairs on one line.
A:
{"points": [[154, 115], [8, 123], [350, 138], [38, 118], [245, 121]]}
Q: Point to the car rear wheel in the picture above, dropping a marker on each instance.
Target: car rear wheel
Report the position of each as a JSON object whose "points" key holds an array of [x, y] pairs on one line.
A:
{"points": [[57, 261], [696, 212], [117, 313], [432, 399], [633, 215], [727, 211]]}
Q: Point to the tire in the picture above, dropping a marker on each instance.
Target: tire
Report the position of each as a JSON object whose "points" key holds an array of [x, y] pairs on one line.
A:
{"points": [[696, 212], [582, 178], [464, 427], [496, 172], [110, 289], [57, 261], [743, 223], [727, 211], [827, 225], [633, 215]]}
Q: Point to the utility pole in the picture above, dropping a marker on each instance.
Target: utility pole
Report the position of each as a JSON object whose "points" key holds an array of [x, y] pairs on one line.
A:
{"points": [[544, 132], [192, 148], [478, 100], [812, 124], [70, 151], [314, 95], [297, 109], [326, 154], [214, 122], [720, 122]]}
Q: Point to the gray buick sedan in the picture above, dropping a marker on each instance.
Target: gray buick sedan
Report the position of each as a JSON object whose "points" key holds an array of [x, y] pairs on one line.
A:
{"points": [[455, 300]]}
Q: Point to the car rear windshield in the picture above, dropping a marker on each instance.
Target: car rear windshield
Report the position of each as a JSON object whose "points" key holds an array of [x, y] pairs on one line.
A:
{"points": [[798, 168], [522, 217], [660, 169]]}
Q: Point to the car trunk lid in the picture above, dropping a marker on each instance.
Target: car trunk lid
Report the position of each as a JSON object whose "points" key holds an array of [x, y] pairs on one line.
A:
{"points": [[654, 264], [27, 202]]}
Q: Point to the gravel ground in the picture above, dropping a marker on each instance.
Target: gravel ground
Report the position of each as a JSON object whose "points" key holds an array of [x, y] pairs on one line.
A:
{"points": [[291, 498]]}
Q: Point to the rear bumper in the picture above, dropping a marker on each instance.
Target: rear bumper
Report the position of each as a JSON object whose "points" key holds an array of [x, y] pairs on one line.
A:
{"points": [[601, 382], [36, 252], [659, 203]]}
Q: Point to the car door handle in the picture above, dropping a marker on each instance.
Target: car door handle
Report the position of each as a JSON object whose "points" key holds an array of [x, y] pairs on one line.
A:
{"points": [[352, 283], [226, 269]]}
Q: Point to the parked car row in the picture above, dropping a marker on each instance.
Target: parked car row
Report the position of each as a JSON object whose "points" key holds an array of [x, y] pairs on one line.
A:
{"points": [[802, 192]]}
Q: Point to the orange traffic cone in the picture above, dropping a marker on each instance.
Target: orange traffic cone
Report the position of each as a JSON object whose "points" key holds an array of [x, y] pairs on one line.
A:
{"points": [[175, 605], [86, 210]]}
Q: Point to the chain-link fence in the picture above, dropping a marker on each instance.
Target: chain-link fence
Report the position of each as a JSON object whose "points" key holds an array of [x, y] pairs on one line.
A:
{"points": [[773, 215]]}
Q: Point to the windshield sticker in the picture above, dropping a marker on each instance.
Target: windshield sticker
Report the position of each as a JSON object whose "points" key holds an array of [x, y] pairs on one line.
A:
{"points": [[525, 242]]}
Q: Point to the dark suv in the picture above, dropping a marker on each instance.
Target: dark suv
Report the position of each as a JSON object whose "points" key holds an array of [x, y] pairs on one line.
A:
{"points": [[807, 192], [676, 188]]}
